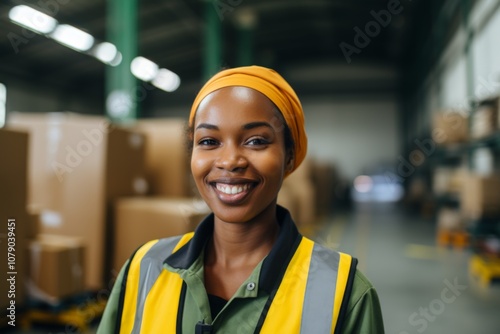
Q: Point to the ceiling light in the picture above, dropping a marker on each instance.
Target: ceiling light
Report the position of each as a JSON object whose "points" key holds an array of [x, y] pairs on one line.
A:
{"points": [[32, 19], [72, 37], [166, 80], [3, 93], [106, 52], [3, 100], [144, 69]]}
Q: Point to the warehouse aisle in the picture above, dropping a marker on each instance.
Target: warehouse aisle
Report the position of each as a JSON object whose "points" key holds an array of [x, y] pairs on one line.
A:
{"points": [[423, 289]]}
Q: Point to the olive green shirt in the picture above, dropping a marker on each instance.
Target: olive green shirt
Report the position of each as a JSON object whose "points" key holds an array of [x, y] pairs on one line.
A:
{"points": [[242, 312]]}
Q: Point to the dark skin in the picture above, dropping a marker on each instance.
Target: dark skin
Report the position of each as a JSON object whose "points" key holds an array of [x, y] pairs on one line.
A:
{"points": [[238, 162]]}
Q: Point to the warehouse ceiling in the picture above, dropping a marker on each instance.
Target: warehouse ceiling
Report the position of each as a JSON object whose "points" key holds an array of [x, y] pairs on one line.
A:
{"points": [[171, 34]]}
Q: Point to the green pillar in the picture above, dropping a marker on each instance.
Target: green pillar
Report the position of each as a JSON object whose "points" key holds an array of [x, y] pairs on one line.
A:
{"points": [[213, 40], [466, 7], [246, 21], [121, 86]]}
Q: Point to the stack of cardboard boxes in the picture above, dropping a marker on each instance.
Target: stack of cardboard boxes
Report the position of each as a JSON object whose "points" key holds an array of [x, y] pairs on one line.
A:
{"points": [[450, 129], [76, 165], [476, 186]]}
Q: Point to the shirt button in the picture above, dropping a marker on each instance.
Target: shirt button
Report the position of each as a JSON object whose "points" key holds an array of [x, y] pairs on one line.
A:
{"points": [[250, 286]]}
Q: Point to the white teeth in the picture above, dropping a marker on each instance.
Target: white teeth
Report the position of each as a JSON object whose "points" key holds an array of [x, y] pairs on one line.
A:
{"points": [[232, 190]]}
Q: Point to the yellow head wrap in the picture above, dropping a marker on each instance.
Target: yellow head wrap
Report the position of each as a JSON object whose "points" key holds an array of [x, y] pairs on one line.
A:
{"points": [[272, 85]]}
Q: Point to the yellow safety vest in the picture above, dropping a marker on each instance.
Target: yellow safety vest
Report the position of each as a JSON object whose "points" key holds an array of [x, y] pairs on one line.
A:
{"points": [[311, 299]]}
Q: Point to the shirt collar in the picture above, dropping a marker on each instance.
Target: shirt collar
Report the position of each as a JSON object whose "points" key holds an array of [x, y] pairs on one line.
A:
{"points": [[274, 265]]}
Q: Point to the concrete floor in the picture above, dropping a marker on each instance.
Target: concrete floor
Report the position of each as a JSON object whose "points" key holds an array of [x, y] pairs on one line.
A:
{"points": [[397, 253]]}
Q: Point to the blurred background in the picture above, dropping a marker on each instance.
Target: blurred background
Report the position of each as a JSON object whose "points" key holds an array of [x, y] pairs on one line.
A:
{"points": [[401, 100]]}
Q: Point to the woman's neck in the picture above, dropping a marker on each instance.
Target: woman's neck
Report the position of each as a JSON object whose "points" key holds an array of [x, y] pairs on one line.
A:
{"points": [[237, 245]]}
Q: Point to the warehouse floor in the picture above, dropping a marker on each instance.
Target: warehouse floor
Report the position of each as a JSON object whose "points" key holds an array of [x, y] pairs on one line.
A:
{"points": [[423, 289], [398, 253]]}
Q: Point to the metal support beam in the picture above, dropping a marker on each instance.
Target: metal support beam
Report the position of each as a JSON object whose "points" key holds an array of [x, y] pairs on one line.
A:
{"points": [[213, 40], [121, 86], [246, 21], [466, 9]]}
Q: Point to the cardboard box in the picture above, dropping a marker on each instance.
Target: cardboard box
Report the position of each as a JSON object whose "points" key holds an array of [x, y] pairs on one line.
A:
{"points": [[78, 166], [450, 128], [448, 181], [450, 220], [34, 223], [139, 220], [167, 157], [480, 196], [324, 177], [299, 183], [56, 268], [13, 196], [484, 121], [14, 149]]}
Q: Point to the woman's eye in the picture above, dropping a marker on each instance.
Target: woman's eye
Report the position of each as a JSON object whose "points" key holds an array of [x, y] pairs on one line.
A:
{"points": [[207, 142], [257, 142]]}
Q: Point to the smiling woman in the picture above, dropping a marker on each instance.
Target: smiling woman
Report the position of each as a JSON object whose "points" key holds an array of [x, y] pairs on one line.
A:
{"points": [[246, 268]]}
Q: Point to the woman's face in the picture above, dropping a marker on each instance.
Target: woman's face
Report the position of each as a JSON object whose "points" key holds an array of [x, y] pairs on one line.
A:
{"points": [[239, 159]]}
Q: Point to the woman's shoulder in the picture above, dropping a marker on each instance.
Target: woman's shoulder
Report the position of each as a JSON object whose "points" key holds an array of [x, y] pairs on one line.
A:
{"points": [[362, 290]]}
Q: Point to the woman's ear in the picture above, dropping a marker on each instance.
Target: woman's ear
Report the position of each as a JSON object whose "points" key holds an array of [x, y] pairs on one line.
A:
{"points": [[290, 162]]}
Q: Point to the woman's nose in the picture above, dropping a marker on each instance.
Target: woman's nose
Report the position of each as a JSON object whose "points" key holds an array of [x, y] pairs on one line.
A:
{"points": [[231, 159]]}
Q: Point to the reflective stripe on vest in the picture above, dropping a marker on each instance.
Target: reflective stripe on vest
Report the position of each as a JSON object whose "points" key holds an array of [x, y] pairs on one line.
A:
{"points": [[145, 269], [311, 292], [308, 299]]}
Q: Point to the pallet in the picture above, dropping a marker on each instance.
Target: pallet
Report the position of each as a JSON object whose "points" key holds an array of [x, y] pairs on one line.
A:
{"points": [[457, 239], [78, 315], [486, 269]]}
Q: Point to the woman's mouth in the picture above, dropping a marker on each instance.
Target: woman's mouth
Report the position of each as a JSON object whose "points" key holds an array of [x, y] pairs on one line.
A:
{"points": [[232, 193]]}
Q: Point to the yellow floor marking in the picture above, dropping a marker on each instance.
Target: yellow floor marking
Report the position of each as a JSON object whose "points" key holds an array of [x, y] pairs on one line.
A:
{"points": [[424, 252]]}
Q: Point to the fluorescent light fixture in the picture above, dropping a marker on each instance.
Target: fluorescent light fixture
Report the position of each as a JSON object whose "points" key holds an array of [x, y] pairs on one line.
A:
{"points": [[106, 52], [32, 19], [3, 104], [3, 93], [72, 37], [166, 80], [144, 69]]}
